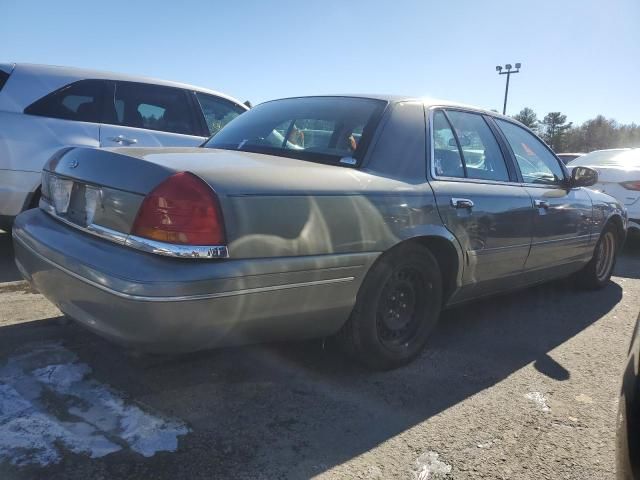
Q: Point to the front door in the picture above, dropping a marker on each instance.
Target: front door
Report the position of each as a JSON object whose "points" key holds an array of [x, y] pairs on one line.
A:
{"points": [[562, 219], [480, 200]]}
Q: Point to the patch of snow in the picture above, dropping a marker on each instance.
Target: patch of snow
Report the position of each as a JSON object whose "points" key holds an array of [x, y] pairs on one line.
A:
{"points": [[582, 398], [96, 419], [539, 399], [430, 467]]}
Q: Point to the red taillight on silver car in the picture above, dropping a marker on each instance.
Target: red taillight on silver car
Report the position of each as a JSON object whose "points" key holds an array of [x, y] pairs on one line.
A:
{"points": [[631, 185], [182, 210]]}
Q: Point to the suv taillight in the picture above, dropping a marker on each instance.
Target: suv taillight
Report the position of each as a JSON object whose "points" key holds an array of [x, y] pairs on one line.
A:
{"points": [[182, 210]]}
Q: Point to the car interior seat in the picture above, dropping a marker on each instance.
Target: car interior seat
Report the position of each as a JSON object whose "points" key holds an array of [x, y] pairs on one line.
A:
{"points": [[448, 163]]}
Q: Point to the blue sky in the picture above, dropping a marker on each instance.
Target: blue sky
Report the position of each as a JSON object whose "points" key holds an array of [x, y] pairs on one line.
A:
{"points": [[581, 57]]}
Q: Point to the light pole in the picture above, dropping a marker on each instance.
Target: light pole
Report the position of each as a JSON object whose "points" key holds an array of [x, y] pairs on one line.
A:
{"points": [[508, 73]]}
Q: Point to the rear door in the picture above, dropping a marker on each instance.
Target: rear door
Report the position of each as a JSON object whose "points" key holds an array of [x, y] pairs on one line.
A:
{"points": [[68, 116], [480, 199], [147, 115], [562, 220]]}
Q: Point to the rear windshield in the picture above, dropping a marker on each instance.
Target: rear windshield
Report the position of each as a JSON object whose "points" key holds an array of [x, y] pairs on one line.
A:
{"points": [[323, 129], [610, 158]]}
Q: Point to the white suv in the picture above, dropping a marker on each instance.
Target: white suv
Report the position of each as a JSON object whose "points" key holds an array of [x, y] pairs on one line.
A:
{"points": [[45, 108]]}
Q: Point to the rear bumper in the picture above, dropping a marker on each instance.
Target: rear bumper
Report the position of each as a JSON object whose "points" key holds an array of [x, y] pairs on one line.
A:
{"points": [[163, 304]]}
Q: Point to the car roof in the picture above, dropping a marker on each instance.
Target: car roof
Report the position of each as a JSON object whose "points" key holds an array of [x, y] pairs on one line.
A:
{"points": [[428, 102], [609, 157], [58, 76]]}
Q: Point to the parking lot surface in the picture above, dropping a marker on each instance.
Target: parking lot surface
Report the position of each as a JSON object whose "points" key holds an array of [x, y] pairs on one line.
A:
{"points": [[523, 385]]}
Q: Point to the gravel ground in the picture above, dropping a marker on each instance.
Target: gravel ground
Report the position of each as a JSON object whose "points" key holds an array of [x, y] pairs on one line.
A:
{"points": [[520, 386]]}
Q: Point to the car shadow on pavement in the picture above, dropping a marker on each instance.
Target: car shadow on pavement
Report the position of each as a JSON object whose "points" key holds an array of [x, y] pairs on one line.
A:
{"points": [[8, 270], [628, 265], [295, 410]]}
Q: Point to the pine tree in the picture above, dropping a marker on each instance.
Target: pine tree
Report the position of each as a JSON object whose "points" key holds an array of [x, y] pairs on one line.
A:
{"points": [[528, 118], [555, 127]]}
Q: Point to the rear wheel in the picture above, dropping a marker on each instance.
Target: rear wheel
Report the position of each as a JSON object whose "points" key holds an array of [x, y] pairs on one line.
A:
{"points": [[597, 272], [397, 307]]}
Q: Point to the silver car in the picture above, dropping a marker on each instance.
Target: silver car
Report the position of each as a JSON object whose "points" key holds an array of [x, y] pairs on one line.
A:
{"points": [[309, 217], [44, 108]]}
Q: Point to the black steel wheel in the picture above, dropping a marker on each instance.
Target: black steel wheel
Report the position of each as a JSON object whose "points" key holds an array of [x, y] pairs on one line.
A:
{"points": [[397, 307]]}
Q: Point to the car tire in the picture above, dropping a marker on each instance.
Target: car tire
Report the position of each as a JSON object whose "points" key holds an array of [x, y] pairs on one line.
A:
{"points": [[396, 309], [597, 273]]}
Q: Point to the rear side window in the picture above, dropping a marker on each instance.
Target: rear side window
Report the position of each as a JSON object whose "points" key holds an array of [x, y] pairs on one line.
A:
{"points": [[446, 155], [154, 107], [480, 151], [536, 163], [82, 101], [217, 111]]}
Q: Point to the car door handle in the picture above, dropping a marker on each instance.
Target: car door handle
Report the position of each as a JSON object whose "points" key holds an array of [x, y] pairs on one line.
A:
{"points": [[123, 140], [541, 204], [461, 203]]}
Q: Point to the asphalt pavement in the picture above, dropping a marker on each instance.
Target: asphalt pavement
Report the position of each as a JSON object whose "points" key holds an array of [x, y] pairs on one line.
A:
{"points": [[523, 385]]}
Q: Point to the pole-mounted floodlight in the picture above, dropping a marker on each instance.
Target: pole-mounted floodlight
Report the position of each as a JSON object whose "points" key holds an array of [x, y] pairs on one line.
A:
{"points": [[508, 67]]}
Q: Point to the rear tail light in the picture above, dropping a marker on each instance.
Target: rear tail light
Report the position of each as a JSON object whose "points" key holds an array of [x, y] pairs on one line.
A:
{"points": [[631, 185], [181, 210]]}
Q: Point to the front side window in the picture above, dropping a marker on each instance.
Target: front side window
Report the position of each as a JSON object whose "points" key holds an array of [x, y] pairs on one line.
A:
{"points": [[154, 107], [536, 163], [217, 111], [81, 101], [325, 129]]}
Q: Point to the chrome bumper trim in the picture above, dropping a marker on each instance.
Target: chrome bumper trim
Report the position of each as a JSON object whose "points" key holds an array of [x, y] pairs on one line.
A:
{"points": [[172, 250], [183, 298], [144, 244]]}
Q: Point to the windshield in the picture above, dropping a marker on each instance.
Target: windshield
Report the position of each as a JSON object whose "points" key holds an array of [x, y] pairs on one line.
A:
{"points": [[324, 129], [620, 157]]}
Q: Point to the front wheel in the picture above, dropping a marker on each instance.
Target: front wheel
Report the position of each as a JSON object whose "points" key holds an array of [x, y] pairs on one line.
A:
{"points": [[397, 307], [597, 272]]}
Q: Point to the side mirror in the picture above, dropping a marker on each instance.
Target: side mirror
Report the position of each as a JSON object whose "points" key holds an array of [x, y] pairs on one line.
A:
{"points": [[583, 177]]}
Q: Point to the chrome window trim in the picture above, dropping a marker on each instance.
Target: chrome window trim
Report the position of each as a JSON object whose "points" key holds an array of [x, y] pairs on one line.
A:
{"points": [[182, 298], [432, 110], [143, 244]]}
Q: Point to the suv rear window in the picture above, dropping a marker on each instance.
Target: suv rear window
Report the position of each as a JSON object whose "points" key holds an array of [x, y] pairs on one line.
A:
{"points": [[82, 101], [324, 129], [4, 76], [217, 111]]}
